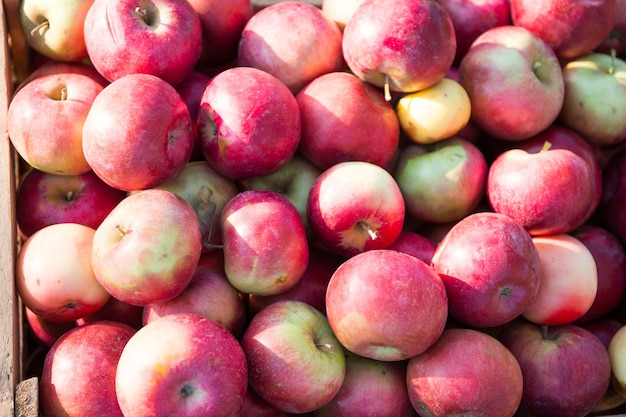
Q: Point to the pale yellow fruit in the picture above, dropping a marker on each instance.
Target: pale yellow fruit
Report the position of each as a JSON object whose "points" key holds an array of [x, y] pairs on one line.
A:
{"points": [[617, 355], [435, 113]]}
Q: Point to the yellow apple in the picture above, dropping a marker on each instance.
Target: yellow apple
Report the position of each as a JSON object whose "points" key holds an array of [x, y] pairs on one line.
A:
{"points": [[434, 113]]}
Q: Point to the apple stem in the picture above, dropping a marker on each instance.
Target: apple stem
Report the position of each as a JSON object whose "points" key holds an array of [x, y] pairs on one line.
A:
{"points": [[325, 345], [119, 229], [546, 146], [69, 196], [370, 232], [611, 69], [544, 331], [387, 89], [39, 26], [141, 12], [64, 94]]}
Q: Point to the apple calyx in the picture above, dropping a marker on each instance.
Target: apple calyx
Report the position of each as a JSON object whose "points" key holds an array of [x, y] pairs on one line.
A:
{"points": [[44, 24], [186, 391]]}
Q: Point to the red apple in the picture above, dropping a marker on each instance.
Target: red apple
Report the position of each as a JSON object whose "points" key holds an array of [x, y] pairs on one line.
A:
{"points": [[473, 17], [611, 210], [78, 377], [208, 294], [547, 190], [565, 369], [401, 45], [116, 310], [191, 90], [181, 364], [255, 406], [54, 275], [568, 284], [45, 120], [43, 199], [616, 39], [123, 37], [296, 57], [355, 206], [346, 119], [386, 305], [490, 268], [370, 388], [265, 245], [415, 244], [248, 123], [295, 362], [147, 249], [134, 121], [571, 27], [514, 81], [466, 372], [46, 331]]}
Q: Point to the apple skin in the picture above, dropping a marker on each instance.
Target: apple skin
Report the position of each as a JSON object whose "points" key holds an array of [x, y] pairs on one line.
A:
{"points": [[191, 90], [616, 39], [181, 364], [610, 212], [147, 249], [115, 310], [45, 120], [269, 43], [123, 38], [571, 28], [473, 17], [43, 199], [595, 82], [249, 123], [54, 276], [295, 361], [415, 244], [441, 382], [375, 299], [45, 331], [566, 369], [490, 268], [134, 121], [547, 191], [222, 23], [340, 11], [346, 119], [208, 294], [255, 406], [509, 64], [56, 29], [355, 206], [568, 283], [265, 246], [370, 388], [406, 57], [442, 181], [610, 257], [78, 376]]}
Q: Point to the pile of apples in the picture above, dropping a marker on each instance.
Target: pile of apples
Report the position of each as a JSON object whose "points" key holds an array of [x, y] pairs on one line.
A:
{"points": [[360, 208]]}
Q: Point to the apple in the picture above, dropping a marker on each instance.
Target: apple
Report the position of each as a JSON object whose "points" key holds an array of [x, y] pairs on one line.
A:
{"points": [[181, 364], [249, 123], [45, 331], [435, 113], [386, 305], [53, 66], [616, 349], [45, 119], [311, 288], [595, 98], [208, 294], [54, 276], [346, 119], [222, 23], [78, 376], [42, 199], [340, 11], [269, 43], [134, 121], [123, 37], [355, 206], [207, 191], [415, 244], [265, 245], [616, 39], [571, 28], [490, 268], [547, 190], [191, 90], [295, 361], [255, 406], [443, 382], [115, 310], [147, 249], [371, 388], [473, 17], [610, 257], [565, 369], [400, 45], [56, 29], [442, 181], [514, 82], [568, 283], [292, 180], [610, 212]]}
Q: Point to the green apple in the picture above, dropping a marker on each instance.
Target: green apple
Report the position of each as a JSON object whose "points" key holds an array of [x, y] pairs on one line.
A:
{"points": [[595, 98], [443, 181]]}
